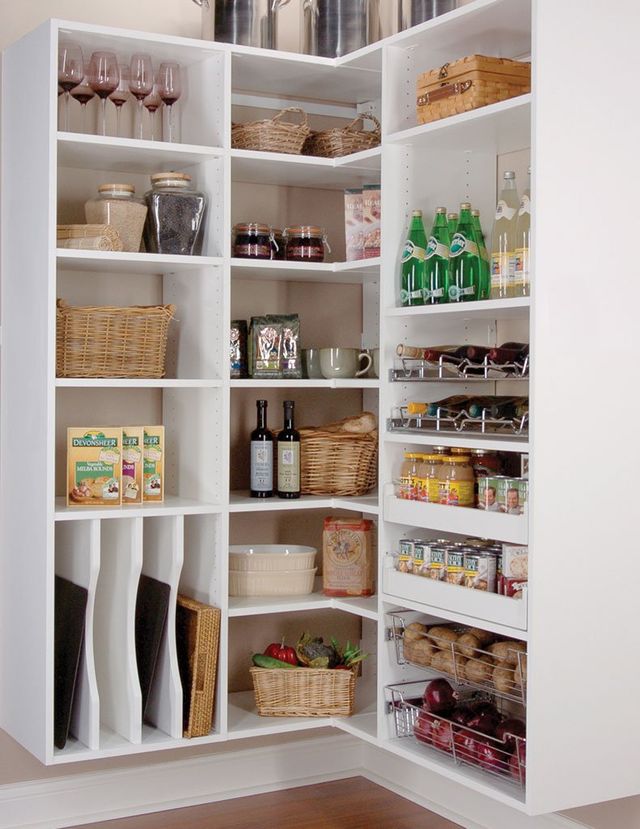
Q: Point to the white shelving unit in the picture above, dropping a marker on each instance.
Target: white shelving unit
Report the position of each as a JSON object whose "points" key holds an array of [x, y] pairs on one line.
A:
{"points": [[570, 612]]}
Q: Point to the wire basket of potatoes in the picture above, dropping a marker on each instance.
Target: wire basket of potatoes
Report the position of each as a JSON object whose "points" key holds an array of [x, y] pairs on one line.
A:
{"points": [[471, 656]]}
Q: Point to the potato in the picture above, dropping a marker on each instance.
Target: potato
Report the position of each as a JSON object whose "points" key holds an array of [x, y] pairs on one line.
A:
{"points": [[421, 652], [520, 673], [442, 636], [485, 637], [479, 670], [467, 644], [414, 631], [443, 661], [503, 679], [507, 652]]}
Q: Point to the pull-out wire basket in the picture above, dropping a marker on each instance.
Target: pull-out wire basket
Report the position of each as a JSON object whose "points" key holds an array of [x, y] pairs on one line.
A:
{"points": [[451, 369]]}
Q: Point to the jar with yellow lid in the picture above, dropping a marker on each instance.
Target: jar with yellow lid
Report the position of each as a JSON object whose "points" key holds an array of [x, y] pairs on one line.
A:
{"points": [[457, 482], [408, 476]]}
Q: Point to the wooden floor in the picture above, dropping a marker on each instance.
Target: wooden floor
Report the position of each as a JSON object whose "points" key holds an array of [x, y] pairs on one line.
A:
{"points": [[354, 803]]}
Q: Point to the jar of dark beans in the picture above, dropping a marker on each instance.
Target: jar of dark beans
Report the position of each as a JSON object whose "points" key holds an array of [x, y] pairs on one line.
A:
{"points": [[252, 241], [305, 243], [277, 243], [175, 218]]}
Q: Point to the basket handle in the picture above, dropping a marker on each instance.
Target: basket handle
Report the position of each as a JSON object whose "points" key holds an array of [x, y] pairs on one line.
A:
{"points": [[303, 122], [361, 119], [447, 91]]}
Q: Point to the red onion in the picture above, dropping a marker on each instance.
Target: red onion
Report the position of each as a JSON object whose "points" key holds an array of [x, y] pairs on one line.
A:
{"points": [[508, 730], [439, 697], [485, 721], [442, 736], [423, 727], [491, 758], [517, 764], [466, 745], [461, 714]]}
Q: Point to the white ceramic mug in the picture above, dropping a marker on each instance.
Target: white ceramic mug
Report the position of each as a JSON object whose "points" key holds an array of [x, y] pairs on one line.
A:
{"points": [[311, 363], [342, 363]]}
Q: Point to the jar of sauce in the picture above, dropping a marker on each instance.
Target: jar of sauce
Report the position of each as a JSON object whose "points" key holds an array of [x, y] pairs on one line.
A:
{"points": [[457, 482], [408, 476], [277, 244], [252, 241], [428, 478], [305, 243]]}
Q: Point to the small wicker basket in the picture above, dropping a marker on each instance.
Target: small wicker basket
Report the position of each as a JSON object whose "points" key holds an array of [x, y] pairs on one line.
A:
{"points": [[104, 341], [335, 142], [338, 463], [272, 135], [304, 692]]}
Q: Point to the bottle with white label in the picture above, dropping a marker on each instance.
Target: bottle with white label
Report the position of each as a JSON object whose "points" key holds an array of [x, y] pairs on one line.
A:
{"points": [[412, 263], [261, 455], [503, 239], [436, 283], [288, 456], [464, 260], [522, 276]]}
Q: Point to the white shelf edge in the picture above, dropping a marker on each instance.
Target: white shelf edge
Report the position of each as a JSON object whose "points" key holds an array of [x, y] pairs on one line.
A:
{"points": [[351, 383], [469, 441], [141, 145], [147, 260], [152, 740], [298, 604], [483, 309], [343, 162], [240, 501], [171, 506], [303, 267], [128, 383]]}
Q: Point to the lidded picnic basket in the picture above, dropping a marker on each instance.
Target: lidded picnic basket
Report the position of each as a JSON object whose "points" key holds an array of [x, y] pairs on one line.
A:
{"points": [[471, 82], [105, 341], [337, 142], [304, 692], [272, 135]]}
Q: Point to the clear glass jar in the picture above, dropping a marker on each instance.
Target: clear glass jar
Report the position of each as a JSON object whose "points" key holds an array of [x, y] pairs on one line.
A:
{"points": [[175, 221], [252, 241], [116, 205], [277, 244], [408, 476], [458, 477], [306, 243]]}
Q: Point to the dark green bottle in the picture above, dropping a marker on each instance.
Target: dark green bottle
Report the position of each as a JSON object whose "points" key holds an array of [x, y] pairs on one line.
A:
{"points": [[413, 265], [436, 284], [452, 223], [485, 262], [464, 260]]}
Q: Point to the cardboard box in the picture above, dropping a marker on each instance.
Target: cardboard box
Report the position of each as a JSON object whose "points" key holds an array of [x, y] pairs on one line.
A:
{"points": [[132, 450], [353, 226], [94, 466], [153, 470], [371, 202]]}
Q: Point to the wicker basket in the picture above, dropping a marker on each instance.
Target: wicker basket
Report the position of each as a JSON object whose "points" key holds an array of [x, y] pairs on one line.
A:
{"points": [[304, 692], [112, 342], [337, 142], [272, 136], [469, 83], [338, 463]]}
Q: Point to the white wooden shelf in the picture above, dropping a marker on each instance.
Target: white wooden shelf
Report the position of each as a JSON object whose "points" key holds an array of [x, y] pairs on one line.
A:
{"points": [[244, 720], [498, 128], [461, 520], [129, 155], [172, 505], [517, 308], [366, 607], [501, 614], [491, 442], [144, 263], [134, 383], [241, 501], [347, 273], [355, 383], [284, 169]]}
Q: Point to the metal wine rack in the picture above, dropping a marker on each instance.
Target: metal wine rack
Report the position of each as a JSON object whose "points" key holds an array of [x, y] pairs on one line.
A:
{"points": [[448, 421], [455, 369]]}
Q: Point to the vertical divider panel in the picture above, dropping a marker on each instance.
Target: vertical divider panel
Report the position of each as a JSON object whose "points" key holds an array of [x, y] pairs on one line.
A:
{"points": [[114, 634], [163, 548], [78, 561]]}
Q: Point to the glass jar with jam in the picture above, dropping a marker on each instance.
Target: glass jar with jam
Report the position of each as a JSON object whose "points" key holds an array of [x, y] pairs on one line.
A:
{"points": [[409, 476], [305, 243], [277, 244], [252, 241], [456, 482]]}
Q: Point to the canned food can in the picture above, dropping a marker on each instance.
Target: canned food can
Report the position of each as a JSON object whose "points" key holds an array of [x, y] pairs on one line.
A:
{"points": [[480, 571], [455, 565], [405, 555], [508, 495], [437, 569], [488, 493], [421, 557]]}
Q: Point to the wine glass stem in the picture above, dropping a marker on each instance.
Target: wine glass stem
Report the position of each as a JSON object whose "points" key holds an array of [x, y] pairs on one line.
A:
{"points": [[84, 110], [104, 116], [140, 112], [152, 116], [170, 119], [66, 110], [118, 108]]}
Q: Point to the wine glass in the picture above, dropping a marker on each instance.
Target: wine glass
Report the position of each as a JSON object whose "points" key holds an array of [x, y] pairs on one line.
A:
{"points": [[83, 93], [104, 77], [153, 102], [70, 72], [140, 83], [169, 89], [120, 95]]}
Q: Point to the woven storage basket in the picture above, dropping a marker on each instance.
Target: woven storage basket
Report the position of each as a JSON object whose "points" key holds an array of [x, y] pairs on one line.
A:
{"points": [[337, 142], [104, 341], [304, 692], [272, 136], [338, 463], [469, 83], [198, 632]]}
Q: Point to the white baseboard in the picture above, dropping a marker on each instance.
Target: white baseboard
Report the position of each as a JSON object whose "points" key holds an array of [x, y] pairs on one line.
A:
{"points": [[97, 796]]}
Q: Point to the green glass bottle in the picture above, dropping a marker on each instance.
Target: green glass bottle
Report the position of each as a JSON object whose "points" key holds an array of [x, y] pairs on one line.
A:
{"points": [[485, 259], [436, 284], [452, 223], [464, 260], [413, 264]]}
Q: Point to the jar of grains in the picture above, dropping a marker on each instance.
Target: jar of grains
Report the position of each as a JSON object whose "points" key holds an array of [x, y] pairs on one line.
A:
{"points": [[175, 221], [116, 205], [306, 243], [252, 241]]}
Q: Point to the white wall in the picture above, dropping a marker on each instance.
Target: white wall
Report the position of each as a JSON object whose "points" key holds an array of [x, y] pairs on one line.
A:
{"points": [[182, 17]]}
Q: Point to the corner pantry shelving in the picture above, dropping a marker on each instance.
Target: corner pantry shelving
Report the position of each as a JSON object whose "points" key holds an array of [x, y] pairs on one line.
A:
{"points": [[48, 174]]}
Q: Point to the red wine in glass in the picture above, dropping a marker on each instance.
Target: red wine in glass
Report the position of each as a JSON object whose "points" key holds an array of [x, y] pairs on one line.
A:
{"points": [[104, 77], [152, 103], [169, 89], [140, 83], [70, 72], [83, 94], [120, 95]]}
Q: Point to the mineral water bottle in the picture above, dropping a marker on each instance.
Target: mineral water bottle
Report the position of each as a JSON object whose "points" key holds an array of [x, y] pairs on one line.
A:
{"points": [[503, 239], [485, 264], [436, 285], [464, 260], [452, 223], [521, 279], [413, 264]]}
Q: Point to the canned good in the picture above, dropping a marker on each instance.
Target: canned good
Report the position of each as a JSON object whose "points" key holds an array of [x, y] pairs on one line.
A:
{"points": [[508, 495], [455, 565], [421, 558], [480, 571], [488, 493], [437, 569], [523, 489], [404, 560]]}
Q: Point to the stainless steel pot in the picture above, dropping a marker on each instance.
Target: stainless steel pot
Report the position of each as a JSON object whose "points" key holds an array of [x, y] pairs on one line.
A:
{"points": [[332, 28], [243, 22], [412, 12]]}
